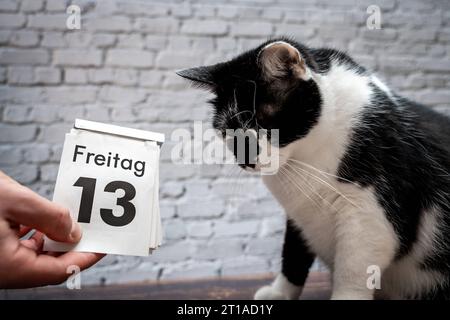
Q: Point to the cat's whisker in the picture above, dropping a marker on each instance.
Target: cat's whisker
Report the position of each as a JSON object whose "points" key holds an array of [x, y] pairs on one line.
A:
{"points": [[324, 173], [323, 182], [311, 187], [239, 113], [297, 185]]}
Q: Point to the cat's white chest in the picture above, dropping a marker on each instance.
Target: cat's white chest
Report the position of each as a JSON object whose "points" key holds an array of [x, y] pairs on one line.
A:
{"points": [[312, 208]]}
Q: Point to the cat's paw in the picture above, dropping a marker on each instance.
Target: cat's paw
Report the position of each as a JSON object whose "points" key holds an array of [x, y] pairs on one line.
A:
{"points": [[280, 289], [269, 293]]}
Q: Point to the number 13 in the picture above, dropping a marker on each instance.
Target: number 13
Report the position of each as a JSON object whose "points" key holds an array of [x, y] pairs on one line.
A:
{"points": [[87, 200]]}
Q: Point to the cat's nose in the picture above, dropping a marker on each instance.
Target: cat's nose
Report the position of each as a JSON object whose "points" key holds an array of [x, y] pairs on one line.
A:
{"points": [[245, 147]]}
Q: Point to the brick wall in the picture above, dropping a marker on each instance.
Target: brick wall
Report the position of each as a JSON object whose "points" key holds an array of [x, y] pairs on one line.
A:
{"points": [[119, 68]]}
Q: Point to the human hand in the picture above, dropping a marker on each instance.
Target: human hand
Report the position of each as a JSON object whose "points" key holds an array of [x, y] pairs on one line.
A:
{"points": [[22, 262]]}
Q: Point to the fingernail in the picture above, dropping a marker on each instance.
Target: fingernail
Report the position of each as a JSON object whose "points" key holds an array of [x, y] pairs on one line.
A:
{"points": [[75, 233]]}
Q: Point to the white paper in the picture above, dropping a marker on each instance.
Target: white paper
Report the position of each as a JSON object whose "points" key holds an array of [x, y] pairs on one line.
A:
{"points": [[121, 163]]}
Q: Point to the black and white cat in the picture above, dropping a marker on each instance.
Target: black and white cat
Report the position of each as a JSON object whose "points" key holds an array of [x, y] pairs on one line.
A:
{"points": [[364, 174]]}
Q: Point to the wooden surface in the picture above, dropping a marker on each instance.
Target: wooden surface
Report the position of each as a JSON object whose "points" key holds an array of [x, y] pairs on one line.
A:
{"points": [[317, 287]]}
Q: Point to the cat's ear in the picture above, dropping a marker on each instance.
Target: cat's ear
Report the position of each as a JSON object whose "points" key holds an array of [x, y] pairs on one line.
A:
{"points": [[202, 76], [282, 61]]}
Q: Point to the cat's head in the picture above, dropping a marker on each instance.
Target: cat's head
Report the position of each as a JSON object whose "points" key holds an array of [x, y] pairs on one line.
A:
{"points": [[269, 87]]}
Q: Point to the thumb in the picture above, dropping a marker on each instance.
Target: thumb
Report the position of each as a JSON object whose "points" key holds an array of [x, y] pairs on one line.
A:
{"points": [[34, 211]]}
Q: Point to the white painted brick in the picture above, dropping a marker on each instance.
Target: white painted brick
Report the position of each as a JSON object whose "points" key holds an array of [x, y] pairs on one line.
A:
{"points": [[130, 41], [249, 13], [203, 44], [296, 31], [384, 34], [98, 113], [120, 94], [70, 95], [54, 133], [24, 38], [435, 97], [146, 271], [5, 35], [31, 5], [23, 56], [170, 171], [151, 79], [201, 208], [236, 229], [78, 57], [228, 12], [155, 42], [103, 40], [2, 74], [9, 5], [16, 114], [37, 153], [205, 27], [49, 172], [20, 94], [20, 75], [174, 230], [78, 39], [17, 133], [53, 40], [56, 151], [77, 76], [272, 226], [204, 11], [22, 173], [438, 65], [174, 60], [199, 229], [172, 189], [218, 249], [245, 266], [272, 14], [234, 188], [142, 8], [156, 25], [265, 246], [10, 155], [129, 58], [121, 114], [226, 44], [192, 270], [167, 211], [108, 23], [70, 113], [175, 251], [113, 76], [181, 11], [56, 5], [179, 43], [252, 29], [48, 21], [174, 82], [196, 189], [11, 20], [47, 75]]}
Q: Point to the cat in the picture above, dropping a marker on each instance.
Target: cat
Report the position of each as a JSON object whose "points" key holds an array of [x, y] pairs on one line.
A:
{"points": [[363, 172]]}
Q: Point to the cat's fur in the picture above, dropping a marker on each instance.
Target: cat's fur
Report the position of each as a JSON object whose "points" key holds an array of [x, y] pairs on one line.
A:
{"points": [[364, 176]]}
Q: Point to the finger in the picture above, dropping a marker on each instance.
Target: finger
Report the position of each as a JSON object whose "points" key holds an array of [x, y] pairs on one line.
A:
{"points": [[36, 242], [39, 270], [24, 231], [35, 211], [54, 253], [8, 179]]}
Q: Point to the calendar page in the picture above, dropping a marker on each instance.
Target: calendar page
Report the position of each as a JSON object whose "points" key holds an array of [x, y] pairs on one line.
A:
{"points": [[109, 182]]}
